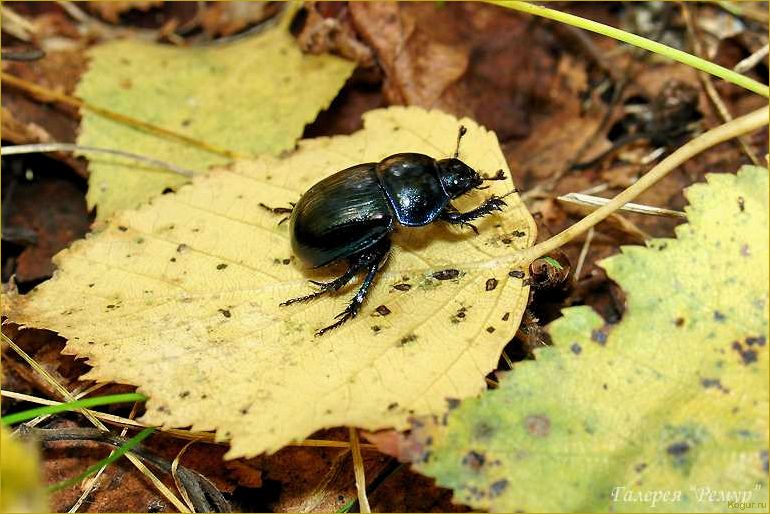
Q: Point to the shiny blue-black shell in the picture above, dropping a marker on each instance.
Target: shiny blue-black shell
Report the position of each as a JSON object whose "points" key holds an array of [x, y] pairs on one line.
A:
{"points": [[353, 209]]}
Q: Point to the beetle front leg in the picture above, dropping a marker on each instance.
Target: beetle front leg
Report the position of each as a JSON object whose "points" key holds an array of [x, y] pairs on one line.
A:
{"points": [[491, 204]]}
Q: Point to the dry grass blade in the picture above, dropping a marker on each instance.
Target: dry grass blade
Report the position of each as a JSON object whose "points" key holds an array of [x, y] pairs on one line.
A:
{"points": [[597, 201], [69, 147], [358, 468], [179, 485]]}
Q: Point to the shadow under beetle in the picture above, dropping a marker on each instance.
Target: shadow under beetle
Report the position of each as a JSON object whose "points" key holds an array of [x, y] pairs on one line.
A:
{"points": [[351, 214]]}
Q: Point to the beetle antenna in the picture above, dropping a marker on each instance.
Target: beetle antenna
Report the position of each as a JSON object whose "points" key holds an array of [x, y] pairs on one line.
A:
{"points": [[460, 134]]}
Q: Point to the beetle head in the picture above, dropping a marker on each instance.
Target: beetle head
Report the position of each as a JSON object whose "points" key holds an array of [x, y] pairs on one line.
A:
{"points": [[457, 178]]}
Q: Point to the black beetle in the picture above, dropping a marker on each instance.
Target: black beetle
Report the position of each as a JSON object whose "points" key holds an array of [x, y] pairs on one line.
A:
{"points": [[350, 214]]}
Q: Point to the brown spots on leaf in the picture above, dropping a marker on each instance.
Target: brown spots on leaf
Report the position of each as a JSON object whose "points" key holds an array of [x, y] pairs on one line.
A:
{"points": [[640, 467], [599, 336], [407, 339], [452, 403], [538, 425], [491, 284], [122, 228], [748, 355], [402, 287], [226, 313], [576, 348], [393, 406], [741, 204], [678, 449], [91, 285], [112, 306], [172, 259], [474, 460], [497, 488], [679, 322], [490, 329], [458, 316], [713, 383], [182, 248], [745, 250], [518, 233], [719, 317], [184, 394], [516, 273], [376, 328], [506, 316], [382, 310], [759, 341], [483, 430], [222, 266], [446, 274]]}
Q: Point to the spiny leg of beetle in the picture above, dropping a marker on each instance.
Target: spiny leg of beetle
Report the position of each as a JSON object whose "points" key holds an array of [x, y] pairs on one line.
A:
{"points": [[326, 287], [491, 204], [354, 306]]}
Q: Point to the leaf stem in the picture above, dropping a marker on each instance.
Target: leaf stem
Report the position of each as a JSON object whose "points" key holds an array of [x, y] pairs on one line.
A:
{"points": [[639, 41], [720, 134]]}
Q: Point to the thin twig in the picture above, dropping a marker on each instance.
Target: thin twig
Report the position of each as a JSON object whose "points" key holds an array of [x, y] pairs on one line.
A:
{"points": [[749, 62], [69, 147]]}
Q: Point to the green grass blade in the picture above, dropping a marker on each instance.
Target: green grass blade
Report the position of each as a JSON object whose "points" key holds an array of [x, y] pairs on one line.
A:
{"points": [[641, 42], [18, 417], [131, 443]]}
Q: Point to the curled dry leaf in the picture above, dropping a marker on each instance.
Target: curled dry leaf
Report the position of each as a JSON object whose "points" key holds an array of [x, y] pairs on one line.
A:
{"points": [[181, 298]]}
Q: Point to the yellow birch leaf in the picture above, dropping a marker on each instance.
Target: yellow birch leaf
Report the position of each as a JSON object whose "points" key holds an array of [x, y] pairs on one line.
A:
{"points": [[181, 298], [253, 96], [667, 411]]}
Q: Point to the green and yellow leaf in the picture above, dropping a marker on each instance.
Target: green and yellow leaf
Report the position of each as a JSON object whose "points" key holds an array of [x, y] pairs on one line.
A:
{"points": [[665, 411], [253, 96]]}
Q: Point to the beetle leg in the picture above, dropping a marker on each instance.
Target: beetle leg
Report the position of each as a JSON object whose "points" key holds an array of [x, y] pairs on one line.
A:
{"points": [[379, 255], [325, 287], [452, 215]]}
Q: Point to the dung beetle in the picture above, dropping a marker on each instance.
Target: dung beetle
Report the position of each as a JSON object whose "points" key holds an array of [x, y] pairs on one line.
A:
{"points": [[351, 214]]}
